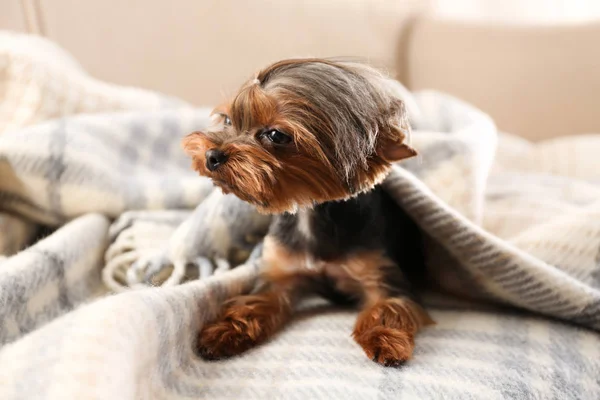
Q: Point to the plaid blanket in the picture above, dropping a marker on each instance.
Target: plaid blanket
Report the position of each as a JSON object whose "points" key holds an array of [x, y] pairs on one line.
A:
{"points": [[96, 197]]}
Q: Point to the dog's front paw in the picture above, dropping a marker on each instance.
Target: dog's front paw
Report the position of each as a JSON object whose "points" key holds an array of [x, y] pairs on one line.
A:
{"points": [[386, 346], [245, 322], [226, 338], [386, 330]]}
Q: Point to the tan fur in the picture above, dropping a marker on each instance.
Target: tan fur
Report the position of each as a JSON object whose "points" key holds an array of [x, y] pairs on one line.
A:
{"points": [[245, 322], [386, 330], [360, 274]]}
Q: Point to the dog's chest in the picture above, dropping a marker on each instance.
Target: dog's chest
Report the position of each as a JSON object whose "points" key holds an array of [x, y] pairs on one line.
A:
{"points": [[340, 241], [347, 274], [332, 230]]}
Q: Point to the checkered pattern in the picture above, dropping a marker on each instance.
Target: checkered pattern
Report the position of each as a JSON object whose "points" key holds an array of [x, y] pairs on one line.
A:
{"points": [[523, 231]]}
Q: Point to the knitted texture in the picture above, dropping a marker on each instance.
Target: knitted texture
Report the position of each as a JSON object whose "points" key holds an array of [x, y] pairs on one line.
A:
{"points": [[128, 214]]}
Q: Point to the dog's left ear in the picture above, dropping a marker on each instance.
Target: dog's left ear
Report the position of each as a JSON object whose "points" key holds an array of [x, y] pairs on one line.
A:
{"points": [[391, 144], [392, 151]]}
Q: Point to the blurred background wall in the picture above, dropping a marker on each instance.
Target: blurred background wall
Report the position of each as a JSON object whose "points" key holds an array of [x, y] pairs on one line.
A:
{"points": [[533, 65], [519, 11]]}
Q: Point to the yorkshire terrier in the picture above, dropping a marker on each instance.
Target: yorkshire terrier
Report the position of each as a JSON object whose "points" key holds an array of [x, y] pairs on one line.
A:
{"points": [[310, 141]]}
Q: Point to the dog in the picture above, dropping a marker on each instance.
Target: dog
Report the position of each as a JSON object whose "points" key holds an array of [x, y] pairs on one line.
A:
{"points": [[310, 141]]}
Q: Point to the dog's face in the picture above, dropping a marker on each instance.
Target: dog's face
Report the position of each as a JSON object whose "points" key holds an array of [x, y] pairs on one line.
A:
{"points": [[302, 133]]}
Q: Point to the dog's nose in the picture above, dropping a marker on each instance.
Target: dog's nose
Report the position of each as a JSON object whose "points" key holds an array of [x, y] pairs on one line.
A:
{"points": [[214, 159]]}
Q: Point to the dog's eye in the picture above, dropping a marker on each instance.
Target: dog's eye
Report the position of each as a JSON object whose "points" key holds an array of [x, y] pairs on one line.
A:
{"points": [[277, 137], [226, 120]]}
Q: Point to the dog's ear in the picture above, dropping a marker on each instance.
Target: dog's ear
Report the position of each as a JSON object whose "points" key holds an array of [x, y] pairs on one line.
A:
{"points": [[392, 151], [391, 144], [223, 108], [195, 143]]}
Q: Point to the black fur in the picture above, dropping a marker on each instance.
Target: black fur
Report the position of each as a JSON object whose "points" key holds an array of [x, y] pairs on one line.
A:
{"points": [[369, 221]]}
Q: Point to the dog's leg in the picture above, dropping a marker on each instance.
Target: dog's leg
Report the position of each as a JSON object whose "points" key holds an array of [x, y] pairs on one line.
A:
{"points": [[386, 329], [247, 321], [390, 316]]}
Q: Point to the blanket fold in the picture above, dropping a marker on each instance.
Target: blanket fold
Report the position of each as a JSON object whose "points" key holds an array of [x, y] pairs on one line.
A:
{"points": [[52, 277]]}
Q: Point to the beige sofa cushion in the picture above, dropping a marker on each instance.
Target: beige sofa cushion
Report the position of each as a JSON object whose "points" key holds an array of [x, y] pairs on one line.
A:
{"points": [[12, 16], [202, 50], [536, 81]]}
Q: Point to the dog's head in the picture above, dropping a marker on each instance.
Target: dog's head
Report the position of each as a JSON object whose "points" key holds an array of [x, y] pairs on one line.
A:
{"points": [[304, 132]]}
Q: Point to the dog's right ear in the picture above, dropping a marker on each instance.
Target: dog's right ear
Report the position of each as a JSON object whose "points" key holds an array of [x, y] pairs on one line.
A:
{"points": [[194, 143]]}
